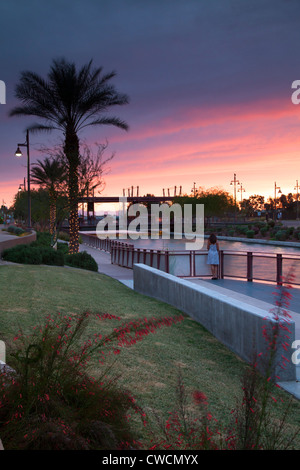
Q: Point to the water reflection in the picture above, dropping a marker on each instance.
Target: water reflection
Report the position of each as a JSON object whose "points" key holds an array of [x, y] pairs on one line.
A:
{"points": [[177, 245]]}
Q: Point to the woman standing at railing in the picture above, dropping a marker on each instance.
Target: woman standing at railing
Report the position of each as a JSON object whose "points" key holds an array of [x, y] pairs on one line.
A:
{"points": [[213, 255]]}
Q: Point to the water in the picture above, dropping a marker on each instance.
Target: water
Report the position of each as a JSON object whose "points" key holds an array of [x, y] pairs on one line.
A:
{"points": [[178, 245]]}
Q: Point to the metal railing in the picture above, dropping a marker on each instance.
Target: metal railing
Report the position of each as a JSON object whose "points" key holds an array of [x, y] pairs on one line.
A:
{"points": [[252, 266]]}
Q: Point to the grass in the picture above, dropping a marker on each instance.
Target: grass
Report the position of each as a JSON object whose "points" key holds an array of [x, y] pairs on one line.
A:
{"points": [[149, 369]]}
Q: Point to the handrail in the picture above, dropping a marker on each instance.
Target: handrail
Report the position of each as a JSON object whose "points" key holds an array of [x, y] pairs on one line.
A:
{"points": [[125, 254]]}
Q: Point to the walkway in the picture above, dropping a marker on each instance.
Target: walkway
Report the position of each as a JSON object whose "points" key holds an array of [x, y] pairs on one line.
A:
{"points": [[233, 288]]}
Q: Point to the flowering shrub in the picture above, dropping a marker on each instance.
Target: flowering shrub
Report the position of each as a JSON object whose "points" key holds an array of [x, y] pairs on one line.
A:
{"points": [[51, 402], [253, 427], [186, 429]]}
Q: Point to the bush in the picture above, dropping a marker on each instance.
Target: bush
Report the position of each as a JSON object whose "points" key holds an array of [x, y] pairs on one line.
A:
{"points": [[81, 260], [250, 233], [64, 236], [24, 254], [264, 230], [281, 235], [15, 230], [40, 252], [27, 254], [63, 247], [52, 403], [243, 229], [52, 257], [42, 239]]}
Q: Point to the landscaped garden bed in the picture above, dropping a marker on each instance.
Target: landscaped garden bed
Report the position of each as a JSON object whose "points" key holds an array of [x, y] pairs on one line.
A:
{"points": [[40, 252], [258, 230]]}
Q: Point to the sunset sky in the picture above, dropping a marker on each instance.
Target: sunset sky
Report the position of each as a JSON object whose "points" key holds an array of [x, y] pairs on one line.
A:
{"points": [[209, 83]]}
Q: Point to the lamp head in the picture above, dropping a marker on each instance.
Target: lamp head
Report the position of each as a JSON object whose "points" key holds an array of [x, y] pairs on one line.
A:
{"points": [[18, 152]]}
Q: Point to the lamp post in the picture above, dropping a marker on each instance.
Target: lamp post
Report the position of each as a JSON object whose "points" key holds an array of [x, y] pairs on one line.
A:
{"points": [[297, 187], [242, 190], [22, 185], [19, 154], [234, 182], [277, 188]]}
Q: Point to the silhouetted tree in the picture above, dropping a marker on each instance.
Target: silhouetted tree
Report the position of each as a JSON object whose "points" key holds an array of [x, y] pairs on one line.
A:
{"points": [[69, 101]]}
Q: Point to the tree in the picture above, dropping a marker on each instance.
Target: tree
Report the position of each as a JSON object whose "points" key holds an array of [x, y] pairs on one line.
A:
{"points": [[254, 204], [39, 207], [217, 203], [51, 175], [69, 101]]}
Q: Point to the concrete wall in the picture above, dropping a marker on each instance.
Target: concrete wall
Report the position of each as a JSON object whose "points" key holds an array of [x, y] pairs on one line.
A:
{"points": [[237, 324], [10, 240]]}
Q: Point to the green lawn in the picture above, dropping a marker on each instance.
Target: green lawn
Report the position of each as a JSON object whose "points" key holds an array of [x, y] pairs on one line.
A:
{"points": [[149, 369]]}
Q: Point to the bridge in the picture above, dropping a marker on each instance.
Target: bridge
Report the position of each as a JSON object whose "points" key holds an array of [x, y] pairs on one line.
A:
{"points": [[166, 197], [90, 222], [115, 199]]}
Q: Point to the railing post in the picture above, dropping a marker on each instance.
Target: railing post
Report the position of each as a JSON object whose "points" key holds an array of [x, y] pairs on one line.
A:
{"points": [[249, 266], [221, 264], [151, 258], [279, 269], [138, 255], [112, 256], [167, 261], [123, 254], [192, 263], [158, 259]]}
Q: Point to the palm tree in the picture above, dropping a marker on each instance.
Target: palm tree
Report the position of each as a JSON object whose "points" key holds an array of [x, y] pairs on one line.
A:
{"points": [[51, 175], [69, 101]]}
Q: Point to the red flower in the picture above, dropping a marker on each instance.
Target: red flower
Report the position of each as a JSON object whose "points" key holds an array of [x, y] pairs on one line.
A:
{"points": [[199, 398]]}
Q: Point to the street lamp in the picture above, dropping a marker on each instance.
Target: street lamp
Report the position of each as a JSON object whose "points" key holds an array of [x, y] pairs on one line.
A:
{"points": [[234, 182], [19, 154], [241, 190], [22, 185], [277, 188], [194, 189], [297, 187]]}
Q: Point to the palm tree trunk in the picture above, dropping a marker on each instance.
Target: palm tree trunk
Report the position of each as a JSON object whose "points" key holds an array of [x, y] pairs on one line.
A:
{"points": [[53, 218], [52, 198], [72, 153]]}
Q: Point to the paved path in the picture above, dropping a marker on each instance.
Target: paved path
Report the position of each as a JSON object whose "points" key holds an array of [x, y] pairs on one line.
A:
{"points": [[5, 235], [257, 290]]}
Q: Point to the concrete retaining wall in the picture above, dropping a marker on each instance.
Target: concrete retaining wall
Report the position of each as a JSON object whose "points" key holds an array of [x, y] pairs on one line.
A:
{"points": [[10, 240], [237, 324]]}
